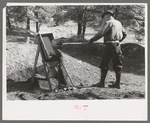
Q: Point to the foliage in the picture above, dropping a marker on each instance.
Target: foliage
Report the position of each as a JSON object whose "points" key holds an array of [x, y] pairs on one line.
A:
{"points": [[44, 13], [131, 13], [39, 14], [84, 15], [90, 15], [18, 13]]}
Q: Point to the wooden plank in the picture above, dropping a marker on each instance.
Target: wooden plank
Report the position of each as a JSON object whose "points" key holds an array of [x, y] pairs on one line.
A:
{"points": [[38, 76], [35, 63], [48, 78], [47, 45], [65, 71]]}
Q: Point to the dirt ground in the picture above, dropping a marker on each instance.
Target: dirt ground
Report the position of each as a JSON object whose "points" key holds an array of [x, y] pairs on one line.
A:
{"points": [[82, 64]]}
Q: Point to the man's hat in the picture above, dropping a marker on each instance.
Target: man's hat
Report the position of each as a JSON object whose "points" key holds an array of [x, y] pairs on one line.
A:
{"points": [[108, 12]]}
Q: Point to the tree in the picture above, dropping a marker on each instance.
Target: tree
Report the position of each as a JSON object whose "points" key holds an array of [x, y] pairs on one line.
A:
{"points": [[17, 14], [42, 14], [78, 14], [39, 14], [83, 15], [131, 12]]}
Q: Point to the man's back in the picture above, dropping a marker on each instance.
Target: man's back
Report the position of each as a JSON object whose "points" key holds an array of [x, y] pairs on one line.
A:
{"points": [[115, 30]]}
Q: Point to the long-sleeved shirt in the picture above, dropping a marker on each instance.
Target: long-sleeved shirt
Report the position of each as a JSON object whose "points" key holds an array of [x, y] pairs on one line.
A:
{"points": [[112, 30]]}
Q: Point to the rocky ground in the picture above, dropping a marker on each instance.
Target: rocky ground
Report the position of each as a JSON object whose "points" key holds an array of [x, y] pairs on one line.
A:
{"points": [[81, 63]]}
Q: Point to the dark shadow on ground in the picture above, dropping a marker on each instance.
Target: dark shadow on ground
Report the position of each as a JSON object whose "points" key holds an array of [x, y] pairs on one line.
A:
{"points": [[16, 31], [133, 56], [24, 86], [19, 86], [22, 40], [19, 35]]}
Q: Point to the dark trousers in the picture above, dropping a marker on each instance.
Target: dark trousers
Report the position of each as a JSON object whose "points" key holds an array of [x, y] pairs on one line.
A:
{"points": [[112, 52]]}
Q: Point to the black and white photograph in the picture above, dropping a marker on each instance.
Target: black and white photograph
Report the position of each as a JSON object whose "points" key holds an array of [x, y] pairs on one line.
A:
{"points": [[75, 52]]}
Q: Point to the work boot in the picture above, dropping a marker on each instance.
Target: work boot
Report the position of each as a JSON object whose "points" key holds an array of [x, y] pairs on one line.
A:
{"points": [[117, 83], [102, 81]]}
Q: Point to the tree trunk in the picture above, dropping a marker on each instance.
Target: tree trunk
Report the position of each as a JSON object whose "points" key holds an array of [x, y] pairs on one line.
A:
{"points": [[79, 24], [37, 27], [84, 26], [8, 20], [37, 23], [79, 28], [116, 12], [28, 23], [27, 28]]}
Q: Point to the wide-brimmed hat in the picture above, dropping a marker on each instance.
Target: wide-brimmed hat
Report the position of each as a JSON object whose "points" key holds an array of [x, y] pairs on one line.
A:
{"points": [[108, 12]]}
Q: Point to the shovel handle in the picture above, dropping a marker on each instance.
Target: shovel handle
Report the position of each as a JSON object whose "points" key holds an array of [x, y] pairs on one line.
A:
{"points": [[72, 43]]}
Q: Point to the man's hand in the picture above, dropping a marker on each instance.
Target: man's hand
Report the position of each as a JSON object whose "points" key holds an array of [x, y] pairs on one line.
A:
{"points": [[90, 41], [124, 33]]}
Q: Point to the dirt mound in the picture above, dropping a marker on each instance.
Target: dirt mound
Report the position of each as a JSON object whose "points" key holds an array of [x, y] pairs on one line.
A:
{"points": [[130, 50], [134, 58], [133, 51]]}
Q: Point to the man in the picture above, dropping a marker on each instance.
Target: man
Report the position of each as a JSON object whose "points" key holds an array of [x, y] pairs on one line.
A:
{"points": [[113, 33]]}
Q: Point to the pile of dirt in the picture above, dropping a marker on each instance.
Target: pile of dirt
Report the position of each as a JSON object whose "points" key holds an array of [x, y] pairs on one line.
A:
{"points": [[134, 57], [133, 51], [20, 59]]}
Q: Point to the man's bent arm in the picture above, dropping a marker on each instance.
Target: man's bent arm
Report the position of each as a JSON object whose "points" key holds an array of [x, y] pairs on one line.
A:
{"points": [[124, 34], [101, 33]]}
